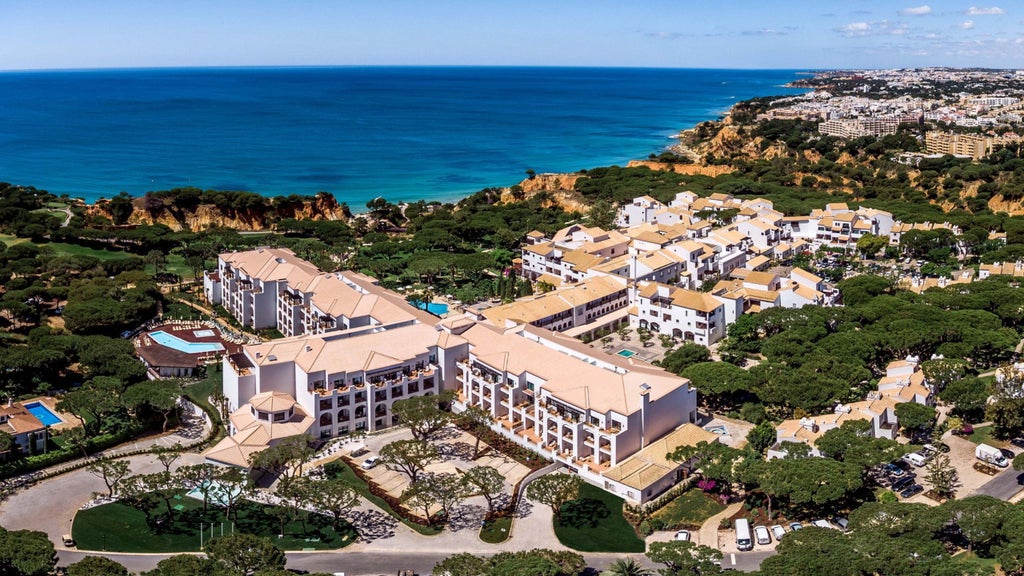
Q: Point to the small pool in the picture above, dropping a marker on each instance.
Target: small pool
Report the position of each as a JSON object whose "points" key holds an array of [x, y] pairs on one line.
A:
{"points": [[626, 353], [216, 493], [43, 414], [717, 429], [432, 307], [171, 341]]}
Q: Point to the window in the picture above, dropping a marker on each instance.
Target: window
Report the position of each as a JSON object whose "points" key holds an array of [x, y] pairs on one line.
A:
{"points": [[279, 417]]}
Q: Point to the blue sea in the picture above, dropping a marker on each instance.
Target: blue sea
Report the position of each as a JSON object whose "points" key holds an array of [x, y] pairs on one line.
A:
{"points": [[404, 133]]}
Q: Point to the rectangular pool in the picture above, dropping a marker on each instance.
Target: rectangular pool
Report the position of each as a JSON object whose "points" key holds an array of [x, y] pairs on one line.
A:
{"points": [[43, 414], [171, 341], [626, 353]]}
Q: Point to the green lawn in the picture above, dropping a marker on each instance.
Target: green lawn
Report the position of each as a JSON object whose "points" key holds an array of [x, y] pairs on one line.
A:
{"points": [[594, 523], [497, 530], [118, 527], [200, 391], [972, 561], [983, 435], [690, 509], [341, 469]]}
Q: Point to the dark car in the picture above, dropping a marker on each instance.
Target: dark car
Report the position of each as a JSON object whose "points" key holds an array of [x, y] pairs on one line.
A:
{"points": [[1018, 442], [901, 464], [902, 483], [894, 471], [911, 490]]}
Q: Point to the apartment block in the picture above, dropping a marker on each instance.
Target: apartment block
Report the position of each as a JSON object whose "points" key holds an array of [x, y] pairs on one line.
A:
{"points": [[577, 309], [677, 312]]}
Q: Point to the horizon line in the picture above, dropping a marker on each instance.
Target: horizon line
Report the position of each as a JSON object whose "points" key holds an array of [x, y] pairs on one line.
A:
{"points": [[340, 66]]}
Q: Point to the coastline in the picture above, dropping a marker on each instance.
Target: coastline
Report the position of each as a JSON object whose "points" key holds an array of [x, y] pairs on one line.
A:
{"points": [[407, 134]]}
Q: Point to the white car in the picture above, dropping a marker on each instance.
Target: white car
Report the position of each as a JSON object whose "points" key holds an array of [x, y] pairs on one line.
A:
{"points": [[683, 536], [822, 524], [370, 462], [762, 536], [778, 531]]}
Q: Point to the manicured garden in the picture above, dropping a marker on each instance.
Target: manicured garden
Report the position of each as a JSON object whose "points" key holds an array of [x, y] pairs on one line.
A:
{"points": [[119, 527], [690, 509], [594, 523]]}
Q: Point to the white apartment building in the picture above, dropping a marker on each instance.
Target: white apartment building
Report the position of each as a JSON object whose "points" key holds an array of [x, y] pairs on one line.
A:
{"points": [[589, 411], [589, 305], [677, 312], [247, 283]]}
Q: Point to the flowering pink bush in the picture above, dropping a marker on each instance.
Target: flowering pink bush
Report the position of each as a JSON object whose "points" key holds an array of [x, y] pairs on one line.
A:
{"points": [[707, 485]]}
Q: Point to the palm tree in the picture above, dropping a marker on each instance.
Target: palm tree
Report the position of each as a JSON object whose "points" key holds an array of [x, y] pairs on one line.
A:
{"points": [[627, 567]]}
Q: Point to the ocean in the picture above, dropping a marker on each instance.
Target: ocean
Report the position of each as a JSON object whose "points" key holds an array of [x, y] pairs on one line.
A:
{"points": [[404, 133]]}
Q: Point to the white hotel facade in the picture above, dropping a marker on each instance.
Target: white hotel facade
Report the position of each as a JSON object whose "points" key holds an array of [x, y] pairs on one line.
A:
{"points": [[593, 412]]}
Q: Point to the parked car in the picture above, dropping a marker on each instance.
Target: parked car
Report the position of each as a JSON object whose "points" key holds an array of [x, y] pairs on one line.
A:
{"points": [[902, 483], [894, 470], [370, 462], [762, 536], [911, 490], [841, 522], [778, 531], [683, 536], [794, 526], [1018, 442], [821, 524], [916, 459]]}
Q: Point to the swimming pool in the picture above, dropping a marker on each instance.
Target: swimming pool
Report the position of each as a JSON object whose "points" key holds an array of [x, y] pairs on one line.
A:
{"points": [[43, 414], [171, 341], [626, 353], [432, 307]]}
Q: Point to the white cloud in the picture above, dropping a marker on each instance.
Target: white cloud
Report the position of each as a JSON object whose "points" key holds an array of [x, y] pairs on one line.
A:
{"points": [[916, 11], [977, 11], [967, 24], [855, 29]]}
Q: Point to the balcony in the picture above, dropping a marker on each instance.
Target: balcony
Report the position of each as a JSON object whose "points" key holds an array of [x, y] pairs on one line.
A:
{"points": [[290, 298]]}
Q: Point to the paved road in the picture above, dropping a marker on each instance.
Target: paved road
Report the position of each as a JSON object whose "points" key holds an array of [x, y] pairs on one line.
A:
{"points": [[1004, 485], [367, 563]]}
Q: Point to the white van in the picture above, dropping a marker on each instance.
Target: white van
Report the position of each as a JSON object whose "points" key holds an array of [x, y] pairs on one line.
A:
{"points": [[743, 541], [915, 459]]}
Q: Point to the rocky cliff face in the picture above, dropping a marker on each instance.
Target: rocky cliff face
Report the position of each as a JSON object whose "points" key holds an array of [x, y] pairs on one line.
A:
{"points": [[204, 216], [688, 169], [560, 189]]}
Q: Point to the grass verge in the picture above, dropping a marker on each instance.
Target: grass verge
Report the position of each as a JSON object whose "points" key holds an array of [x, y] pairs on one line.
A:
{"points": [[689, 509], [118, 527], [497, 530], [594, 523]]}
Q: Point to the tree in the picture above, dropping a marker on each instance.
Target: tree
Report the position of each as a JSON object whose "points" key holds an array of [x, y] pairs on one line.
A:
{"points": [[870, 244], [408, 456], [245, 554], [284, 458], [645, 336], [685, 558], [157, 259], [623, 332], [1018, 462], [485, 481], [97, 566], [685, 356], [462, 564], [477, 420], [77, 437], [602, 214], [523, 564], [810, 482], [422, 414], [26, 553], [168, 455], [942, 475], [554, 490], [183, 565], [441, 490], [627, 567], [163, 485], [761, 437], [232, 485], [111, 472], [199, 477], [332, 496], [915, 417], [1006, 408], [159, 395]]}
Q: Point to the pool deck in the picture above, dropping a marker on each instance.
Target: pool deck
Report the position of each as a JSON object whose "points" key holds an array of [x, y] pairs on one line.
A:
{"points": [[69, 420], [158, 355]]}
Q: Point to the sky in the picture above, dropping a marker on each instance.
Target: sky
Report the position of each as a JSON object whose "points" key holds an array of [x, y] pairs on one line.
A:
{"points": [[784, 34]]}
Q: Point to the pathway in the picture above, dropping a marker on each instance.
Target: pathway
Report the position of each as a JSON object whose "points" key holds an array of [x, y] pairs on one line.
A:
{"points": [[709, 529]]}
